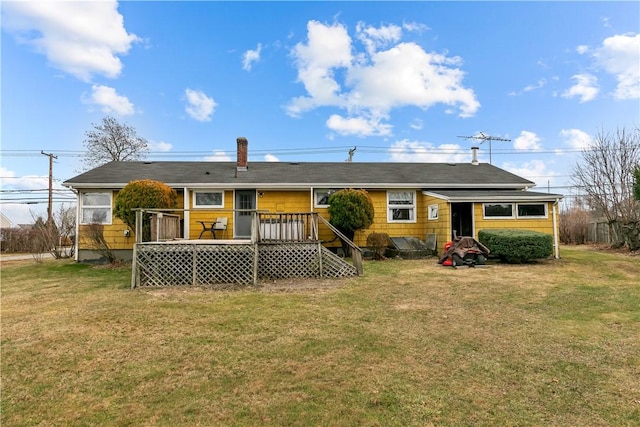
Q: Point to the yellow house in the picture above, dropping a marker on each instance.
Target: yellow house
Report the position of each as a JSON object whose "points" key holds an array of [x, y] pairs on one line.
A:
{"points": [[439, 200]]}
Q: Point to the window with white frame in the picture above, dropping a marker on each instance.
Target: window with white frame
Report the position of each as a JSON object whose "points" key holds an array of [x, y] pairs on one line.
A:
{"points": [[433, 212], [511, 210], [208, 199], [532, 210], [401, 206], [498, 210], [321, 197], [95, 207]]}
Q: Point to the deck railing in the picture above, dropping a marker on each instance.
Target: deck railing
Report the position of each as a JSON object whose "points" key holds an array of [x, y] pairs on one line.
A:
{"points": [[299, 227], [267, 227], [165, 226], [286, 227], [356, 252]]}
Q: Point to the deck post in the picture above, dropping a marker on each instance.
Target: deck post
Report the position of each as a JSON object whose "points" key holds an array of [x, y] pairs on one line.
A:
{"points": [[320, 259], [255, 227], [135, 275], [138, 226], [256, 254], [194, 260], [356, 256]]}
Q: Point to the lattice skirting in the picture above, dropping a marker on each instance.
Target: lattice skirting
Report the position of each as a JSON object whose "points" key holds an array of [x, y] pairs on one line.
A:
{"points": [[241, 264], [289, 260]]}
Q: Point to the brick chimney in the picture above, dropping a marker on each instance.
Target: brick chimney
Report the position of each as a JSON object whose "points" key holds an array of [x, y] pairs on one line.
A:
{"points": [[474, 157], [242, 153]]}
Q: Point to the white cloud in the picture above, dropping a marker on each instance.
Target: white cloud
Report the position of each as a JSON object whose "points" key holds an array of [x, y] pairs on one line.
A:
{"points": [[375, 81], [218, 156], [416, 124], [109, 101], [414, 27], [80, 38], [327, 48], [199, 106], [529, 88], [620, 56], [527, 141], [29, 182], [582, 49], [535, 170], [576, 138], [586, 87], [427, 79], [359, 126], [270, 158], [541, 83], [250, 57], [375, 38], [424, 152], [160, 146]]}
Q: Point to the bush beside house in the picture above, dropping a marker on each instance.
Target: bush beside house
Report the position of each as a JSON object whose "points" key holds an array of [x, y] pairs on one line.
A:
{"points": [[517, 246], [144, 193], [350, 210]]}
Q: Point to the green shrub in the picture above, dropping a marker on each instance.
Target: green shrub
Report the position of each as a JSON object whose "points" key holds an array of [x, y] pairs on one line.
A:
{"points": [[517, 246], [144, 193], [350, 210]]}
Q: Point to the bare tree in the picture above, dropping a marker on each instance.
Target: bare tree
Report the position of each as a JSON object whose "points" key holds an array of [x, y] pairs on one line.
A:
{"points": [[57, 236], [574, 223], [112, 141], [606, 175], [95, 234], [636, 183]]}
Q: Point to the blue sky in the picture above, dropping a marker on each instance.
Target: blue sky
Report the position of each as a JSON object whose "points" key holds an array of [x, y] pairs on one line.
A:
{"points": [[307, 81]]}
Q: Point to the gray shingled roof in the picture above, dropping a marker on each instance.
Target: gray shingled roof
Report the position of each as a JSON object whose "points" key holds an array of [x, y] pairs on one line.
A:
{"points": [[301, 175]]}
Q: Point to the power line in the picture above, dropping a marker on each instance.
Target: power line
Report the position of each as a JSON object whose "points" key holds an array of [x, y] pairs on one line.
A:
{"points": [[318, 150]]}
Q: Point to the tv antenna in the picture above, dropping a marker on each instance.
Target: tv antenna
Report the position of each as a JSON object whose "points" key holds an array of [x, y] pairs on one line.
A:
{"points": [[484, 137], [351, 152]]}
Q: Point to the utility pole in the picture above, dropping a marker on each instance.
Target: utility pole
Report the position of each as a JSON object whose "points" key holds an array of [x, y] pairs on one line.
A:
{"points": [[483, 137], [50, 206]]}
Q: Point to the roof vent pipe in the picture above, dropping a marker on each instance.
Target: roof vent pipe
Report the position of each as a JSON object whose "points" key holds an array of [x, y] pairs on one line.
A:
{"points": [[474, 158], [242, 153]]}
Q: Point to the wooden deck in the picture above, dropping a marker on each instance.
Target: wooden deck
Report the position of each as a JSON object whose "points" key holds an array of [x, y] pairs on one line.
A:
{"points": [[284, 248]]}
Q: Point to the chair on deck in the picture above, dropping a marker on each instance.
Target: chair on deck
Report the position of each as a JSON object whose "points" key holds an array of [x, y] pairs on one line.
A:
{"points": [[221, 225]]}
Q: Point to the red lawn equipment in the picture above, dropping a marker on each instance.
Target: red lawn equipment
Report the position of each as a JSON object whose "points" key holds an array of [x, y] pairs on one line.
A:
{"points": [[463, 251]]}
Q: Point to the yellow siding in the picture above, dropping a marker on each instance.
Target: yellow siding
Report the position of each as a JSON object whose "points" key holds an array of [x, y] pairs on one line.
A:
{"points": [[302, 201], [209, 214], [441, 226], [284, 201], [380, 224], [542, 225], [113, 234]]}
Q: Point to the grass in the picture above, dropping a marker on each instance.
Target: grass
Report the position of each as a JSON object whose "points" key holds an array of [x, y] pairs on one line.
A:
{"points": [[410, 343]]}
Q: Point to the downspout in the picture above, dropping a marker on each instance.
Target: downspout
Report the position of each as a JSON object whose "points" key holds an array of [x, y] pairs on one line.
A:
{"points": [[555, 230], [76, 257]]}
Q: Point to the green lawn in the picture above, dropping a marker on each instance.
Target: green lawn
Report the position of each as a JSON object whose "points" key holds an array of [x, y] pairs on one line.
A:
{"points": [[410, 343]]}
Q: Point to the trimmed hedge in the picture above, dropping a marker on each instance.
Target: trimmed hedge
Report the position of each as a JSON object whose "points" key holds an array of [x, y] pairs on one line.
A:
{"points": [[517, 246], [143, 193]]}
